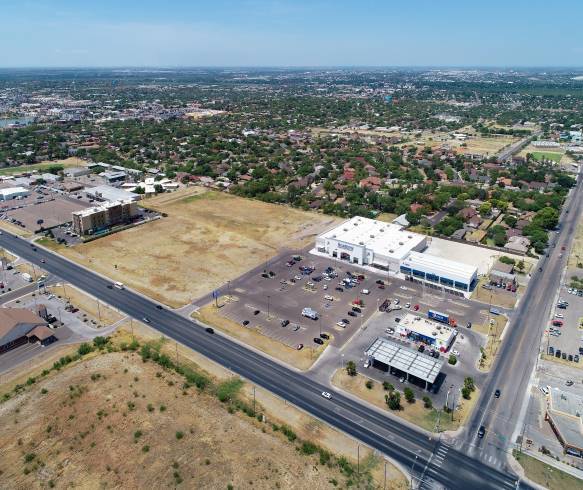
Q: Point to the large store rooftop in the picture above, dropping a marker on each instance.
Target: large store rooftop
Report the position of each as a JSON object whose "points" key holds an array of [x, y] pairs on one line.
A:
{"points": [[382, 238]]}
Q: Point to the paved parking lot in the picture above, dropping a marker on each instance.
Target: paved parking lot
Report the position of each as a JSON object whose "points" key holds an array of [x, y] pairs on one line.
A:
{"points": [[567, 338], [467, 343], [70, 327], [277, 299]]}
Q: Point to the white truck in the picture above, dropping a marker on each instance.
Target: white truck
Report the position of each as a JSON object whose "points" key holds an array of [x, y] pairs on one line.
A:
{"points": [[309, 313], [26, 276]]}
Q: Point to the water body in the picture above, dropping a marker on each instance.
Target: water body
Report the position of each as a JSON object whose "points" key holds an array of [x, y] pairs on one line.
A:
{"points": [[22, 121]]}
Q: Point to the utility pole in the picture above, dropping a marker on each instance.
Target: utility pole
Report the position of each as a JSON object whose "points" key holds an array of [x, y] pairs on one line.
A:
{"points": [[98, 311], [385, 478], [254, 401], [358, 459], [176, 343], [132, 327]]}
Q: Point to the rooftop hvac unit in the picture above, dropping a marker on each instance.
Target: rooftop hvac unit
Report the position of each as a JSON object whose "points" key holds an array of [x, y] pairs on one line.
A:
{"points": [[391, 251], [372, 236], [400, 243], [344, 229], [433, 333], [361, 243], [382, 230], [409, 236]]}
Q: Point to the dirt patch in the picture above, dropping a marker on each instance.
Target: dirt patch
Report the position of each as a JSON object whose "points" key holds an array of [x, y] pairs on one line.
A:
{"points": [[493, 329], [495, 296], [301, 359], [205, 239], [576, 254], [432, 419]]}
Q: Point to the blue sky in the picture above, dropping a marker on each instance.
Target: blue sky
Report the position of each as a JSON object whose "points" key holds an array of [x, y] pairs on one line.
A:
{"points": [[290, 33]]}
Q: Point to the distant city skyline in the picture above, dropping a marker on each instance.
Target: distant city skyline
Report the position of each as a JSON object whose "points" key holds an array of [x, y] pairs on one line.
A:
{"points": [[286, 33]]}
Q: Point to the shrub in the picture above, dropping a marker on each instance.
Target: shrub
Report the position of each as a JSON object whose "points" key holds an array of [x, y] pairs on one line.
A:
{"points": [[179, 435], [100, 342], [84, 349], [29, 457], [393, 400], [289, 433], [388, 386], [427, 403], [145, 449], [466, 393], [308, 448], [369, 384], [228, 390], [409, 395], [452, 360]]}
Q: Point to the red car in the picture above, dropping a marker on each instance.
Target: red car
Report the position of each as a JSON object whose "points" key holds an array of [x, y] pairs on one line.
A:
{"points": [[416, 308], [557, 323]]}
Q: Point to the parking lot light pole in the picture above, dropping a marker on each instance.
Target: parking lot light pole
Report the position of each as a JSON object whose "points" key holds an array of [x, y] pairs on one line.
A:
{"points": [[268, 298]]}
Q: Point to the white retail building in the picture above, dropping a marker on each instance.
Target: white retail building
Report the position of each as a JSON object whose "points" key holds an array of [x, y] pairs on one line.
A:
{"points": [[365, 241], [442, 272], [390, 247], [13, 193]]}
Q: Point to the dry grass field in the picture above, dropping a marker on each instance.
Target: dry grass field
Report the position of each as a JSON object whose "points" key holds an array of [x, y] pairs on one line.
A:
{"points": [[114, 421], [206, 239]]}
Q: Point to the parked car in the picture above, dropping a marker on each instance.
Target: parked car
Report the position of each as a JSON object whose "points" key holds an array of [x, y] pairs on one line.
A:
{"points": [[318, 340], [324, 336], [339, 289], [469, 324], [407, 305], [209, 330], [416, 308], [256, 312], [245, 323], [351, 313], [284, 323], [365, 291], [497, 393], [356, 309], [341, 324], [299, 346]]}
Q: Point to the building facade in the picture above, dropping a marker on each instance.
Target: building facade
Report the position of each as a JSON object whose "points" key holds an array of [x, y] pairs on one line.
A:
{"points": [[443, 273], [98, 218], [370, 242]]}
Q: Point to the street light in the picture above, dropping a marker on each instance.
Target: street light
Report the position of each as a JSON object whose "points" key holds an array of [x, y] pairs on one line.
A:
{"points": [[268, 298]]}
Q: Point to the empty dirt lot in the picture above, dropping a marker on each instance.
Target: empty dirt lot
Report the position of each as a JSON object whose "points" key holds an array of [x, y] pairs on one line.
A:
{"points": [[206, 239], [114, 421]]}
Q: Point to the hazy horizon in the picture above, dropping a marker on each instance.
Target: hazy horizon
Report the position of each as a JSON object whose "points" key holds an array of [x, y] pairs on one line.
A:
{"points": [[293, 34]]}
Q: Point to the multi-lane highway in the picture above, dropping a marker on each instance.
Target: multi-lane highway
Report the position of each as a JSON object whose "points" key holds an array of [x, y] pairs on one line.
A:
{"points": [[427, 457], [518, 354]]}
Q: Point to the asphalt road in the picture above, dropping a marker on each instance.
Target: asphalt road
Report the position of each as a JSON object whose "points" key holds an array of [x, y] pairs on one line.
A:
{"points": [[427, 457], [519, 352]]}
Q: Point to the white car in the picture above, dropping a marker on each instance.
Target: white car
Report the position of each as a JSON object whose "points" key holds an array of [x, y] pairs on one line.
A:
{"points": [[328, 298], [455, 353], [407, 305], [326, 395], [570, 291], [397, 301], [366, 363], [365, 291], [341, 324], [559, 315], [389, 330], [324, 287]]}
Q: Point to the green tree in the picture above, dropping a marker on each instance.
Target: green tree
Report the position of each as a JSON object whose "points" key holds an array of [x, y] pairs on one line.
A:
{"points": [[351, 368]]}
